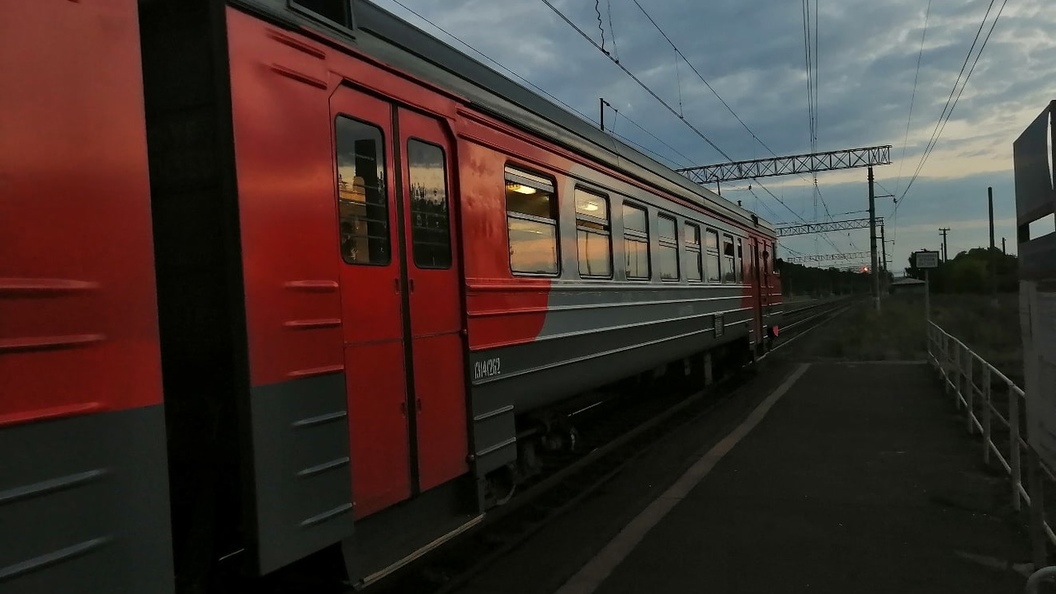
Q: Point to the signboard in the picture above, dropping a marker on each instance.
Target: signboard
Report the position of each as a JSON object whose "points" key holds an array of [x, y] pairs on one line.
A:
{"points": [[927, 259], [1032, 153]]}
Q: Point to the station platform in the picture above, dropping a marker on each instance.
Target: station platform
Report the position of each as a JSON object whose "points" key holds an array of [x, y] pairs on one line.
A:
{"points": [[848, 477]]}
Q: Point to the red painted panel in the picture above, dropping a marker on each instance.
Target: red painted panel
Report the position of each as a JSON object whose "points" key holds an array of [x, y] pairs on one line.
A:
{"points": [[377, 424], [371, 304], [493, 293], [436, 322], [78, 321], [284, 160], [443, 441]]}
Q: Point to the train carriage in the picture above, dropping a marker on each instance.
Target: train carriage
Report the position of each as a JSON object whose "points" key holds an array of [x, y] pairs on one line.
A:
{"points": [[83, 480], [377, 263]]}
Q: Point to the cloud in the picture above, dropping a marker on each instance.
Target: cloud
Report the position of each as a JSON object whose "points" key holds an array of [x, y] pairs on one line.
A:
{"points": [[752, 53]]}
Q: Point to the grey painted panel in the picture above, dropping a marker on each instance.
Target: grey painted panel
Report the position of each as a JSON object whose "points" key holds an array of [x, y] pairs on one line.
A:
{"points": [[84, 505], [542, 373], [492, 436], [302, 476], [589, 310], [548, 386], [518, 360]]}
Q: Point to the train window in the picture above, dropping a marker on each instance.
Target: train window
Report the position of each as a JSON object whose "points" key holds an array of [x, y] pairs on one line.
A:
{"points": [[430, 218], [729, 260], [739, 268], [636, 241], [593, 234], [712, 257], [668, 248], [531, 218], [363, 204], [693, 256], [337, 11]]}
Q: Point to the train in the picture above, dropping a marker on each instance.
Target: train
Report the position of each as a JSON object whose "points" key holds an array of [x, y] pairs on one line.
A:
{"points": [[285, 278]]}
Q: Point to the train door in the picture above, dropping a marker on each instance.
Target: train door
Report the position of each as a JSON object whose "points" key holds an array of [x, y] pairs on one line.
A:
{"points": [[757, 287], [434, 299], [401, 308]]}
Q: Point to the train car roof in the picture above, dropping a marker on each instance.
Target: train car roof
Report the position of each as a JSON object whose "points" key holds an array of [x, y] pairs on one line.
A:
{"points": [[393, 41]]}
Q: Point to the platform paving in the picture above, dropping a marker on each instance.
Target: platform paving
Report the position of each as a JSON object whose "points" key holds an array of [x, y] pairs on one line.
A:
{"points": [[860, 478]]}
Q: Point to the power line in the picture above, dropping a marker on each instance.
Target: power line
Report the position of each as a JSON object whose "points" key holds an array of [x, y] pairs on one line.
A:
{"points": [[496, 63], [702, 79], [662, 102], [951, 102], [913, 96], [644, 86], [612, 30], [655, 137], [719, 97]]}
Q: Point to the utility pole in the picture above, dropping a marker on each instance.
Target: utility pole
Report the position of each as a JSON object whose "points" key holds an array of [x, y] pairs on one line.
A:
{"points": [[990, 201], [601, 108], [872, 241], [991, 263], [1003, 252], [883, 257], [945, 254]]}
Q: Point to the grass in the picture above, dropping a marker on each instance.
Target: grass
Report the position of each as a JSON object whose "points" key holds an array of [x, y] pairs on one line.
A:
{"points": [[898, 332]]}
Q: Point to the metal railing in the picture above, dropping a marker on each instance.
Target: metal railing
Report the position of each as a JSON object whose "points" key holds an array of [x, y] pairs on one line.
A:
{"points": [[968, 376]]}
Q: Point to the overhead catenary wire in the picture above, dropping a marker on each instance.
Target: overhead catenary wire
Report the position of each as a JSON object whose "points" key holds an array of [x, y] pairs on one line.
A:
{"points": [[612, 30], [719, 97], [703, 80], [913, 97], [580, 113], [951, 101]]}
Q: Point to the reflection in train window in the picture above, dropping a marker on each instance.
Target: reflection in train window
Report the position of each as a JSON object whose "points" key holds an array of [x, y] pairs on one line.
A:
{"points": [[430, 218], [593, 234], [363, 207], [668, 248], [712, 257], [739, 268], [531, 219], [693, 256], [636, 242], [728, 260]]}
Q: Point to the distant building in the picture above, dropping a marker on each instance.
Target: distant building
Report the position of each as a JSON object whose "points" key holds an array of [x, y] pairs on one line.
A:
{"points": [[907, 285]]}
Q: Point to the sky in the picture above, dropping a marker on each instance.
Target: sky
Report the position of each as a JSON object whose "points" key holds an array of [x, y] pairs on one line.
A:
{"points": [[751, 53]]}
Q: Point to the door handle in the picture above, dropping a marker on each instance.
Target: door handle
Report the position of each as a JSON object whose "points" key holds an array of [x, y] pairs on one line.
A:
{"points": [[411, 284], [396, 285]]}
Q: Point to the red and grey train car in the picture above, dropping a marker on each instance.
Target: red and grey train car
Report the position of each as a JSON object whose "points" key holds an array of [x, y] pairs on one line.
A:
{"points": [[280, 276]]}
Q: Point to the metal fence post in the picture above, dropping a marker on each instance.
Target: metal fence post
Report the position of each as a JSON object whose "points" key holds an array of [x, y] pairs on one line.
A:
{"points": [[1013, 436], [969, 386], [955, 371], [1037, 511], [987, 431], [945, 362]]}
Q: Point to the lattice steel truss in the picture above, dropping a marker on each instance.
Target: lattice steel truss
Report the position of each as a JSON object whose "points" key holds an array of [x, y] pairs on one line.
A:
{"points": [[825, 257], [790, 165], [845, 225]]}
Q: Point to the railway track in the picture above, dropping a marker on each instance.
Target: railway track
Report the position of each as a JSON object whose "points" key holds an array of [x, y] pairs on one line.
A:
{"points": [[613, 434]]}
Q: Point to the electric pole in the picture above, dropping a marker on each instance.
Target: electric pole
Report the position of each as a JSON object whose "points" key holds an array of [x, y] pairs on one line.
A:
{"points": [[990, 253], [883, 257], [872, 241], [990, 201], [945, 254], [601, 108], [1003, 252]]}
